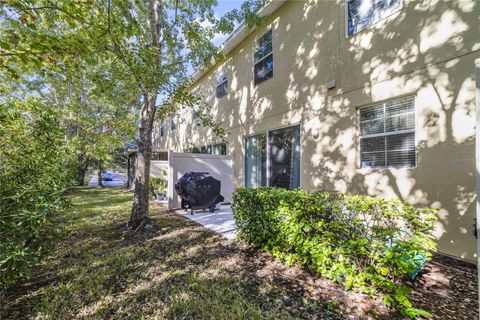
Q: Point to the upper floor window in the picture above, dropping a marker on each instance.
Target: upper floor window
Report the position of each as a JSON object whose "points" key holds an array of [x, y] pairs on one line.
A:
{"points": [[263, 58], [173, 124], [222, 84], [195, 115], [387, 134], [162, 128], [363, 13]]}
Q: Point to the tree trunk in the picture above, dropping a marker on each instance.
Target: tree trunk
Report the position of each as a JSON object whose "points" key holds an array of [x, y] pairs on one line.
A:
{"points": [[140, 214], [99, 172], [82, 171]]}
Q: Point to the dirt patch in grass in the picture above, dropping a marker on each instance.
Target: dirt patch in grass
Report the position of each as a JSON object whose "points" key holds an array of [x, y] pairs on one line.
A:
{"points": [[181, 270]]}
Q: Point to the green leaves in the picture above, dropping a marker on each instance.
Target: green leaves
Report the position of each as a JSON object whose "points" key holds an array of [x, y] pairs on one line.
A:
{"points": [[367, 244], [32, 181]]}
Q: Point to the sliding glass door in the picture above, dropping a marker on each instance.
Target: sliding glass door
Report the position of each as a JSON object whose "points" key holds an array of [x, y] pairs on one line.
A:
{"points": [[284, 158], [255, 161], [273, 159]]}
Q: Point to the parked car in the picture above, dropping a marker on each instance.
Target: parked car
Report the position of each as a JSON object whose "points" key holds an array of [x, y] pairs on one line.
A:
{"points": [[107, 176]]}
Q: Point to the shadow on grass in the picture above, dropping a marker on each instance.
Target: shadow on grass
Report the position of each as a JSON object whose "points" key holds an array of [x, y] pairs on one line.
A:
{"points": [[181, 270]]}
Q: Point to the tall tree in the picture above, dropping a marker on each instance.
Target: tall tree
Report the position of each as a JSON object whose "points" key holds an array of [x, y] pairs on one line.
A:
{"points": [[160, 42], [153, 45]]}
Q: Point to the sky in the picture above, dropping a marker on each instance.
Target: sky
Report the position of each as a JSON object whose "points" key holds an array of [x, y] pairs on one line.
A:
{"points": [[223, 7]]}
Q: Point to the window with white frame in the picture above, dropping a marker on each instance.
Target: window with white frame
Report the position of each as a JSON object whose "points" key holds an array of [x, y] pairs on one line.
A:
{"points": [[387, 134], [196, 108], [173, 124], [363, 13], [263, 58], [222, 84], [162, 128]]}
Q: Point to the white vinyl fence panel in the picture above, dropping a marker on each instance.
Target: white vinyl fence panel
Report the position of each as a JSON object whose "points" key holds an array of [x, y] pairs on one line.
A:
{"points": [[158, 168], [219, 167]]}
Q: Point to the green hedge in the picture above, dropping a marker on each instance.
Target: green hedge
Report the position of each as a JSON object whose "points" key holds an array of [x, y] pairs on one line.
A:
{"points": [[33, 178], [367, 244]]}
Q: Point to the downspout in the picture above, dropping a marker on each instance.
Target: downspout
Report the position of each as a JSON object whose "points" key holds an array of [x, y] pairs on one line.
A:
{"points": [[477, 161]]}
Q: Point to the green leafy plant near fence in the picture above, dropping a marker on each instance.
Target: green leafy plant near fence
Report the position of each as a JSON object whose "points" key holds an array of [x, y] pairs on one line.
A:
{"points": [[367, 244], [158, 185]]}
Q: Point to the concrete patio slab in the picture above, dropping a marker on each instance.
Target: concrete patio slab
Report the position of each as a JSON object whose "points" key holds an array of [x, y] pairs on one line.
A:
{"points": [[221, 221]]}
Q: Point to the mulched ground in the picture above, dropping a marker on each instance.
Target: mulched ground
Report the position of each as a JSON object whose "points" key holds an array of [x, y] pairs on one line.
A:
{"points": [[446, 287], [179, 254]]}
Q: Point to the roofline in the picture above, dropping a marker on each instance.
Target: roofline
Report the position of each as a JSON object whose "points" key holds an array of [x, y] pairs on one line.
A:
{"points": [[237, 36]]}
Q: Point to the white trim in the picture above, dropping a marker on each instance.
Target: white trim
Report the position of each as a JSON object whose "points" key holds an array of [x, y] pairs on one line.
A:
{"points": [[263, 58], [396, 115], [385, 134]]}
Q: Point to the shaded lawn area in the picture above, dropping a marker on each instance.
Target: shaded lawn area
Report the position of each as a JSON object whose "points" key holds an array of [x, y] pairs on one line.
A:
{"points": [[179, 271]]}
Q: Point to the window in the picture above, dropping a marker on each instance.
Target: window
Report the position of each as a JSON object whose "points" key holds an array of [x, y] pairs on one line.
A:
{"points": [[173, 124], [284, 158], [162, 128], [222, 84], [273, 159], [256, 161], [363, 13], [263, 58], [196, 108], [206, 149], [387, 134], [219, 149]]}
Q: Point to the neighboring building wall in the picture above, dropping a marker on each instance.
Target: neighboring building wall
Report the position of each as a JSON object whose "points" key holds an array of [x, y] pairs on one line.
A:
{"points": [[427, 50]]}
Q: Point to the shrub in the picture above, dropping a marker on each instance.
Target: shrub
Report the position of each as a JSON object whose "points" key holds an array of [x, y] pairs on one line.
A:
{"points": [[32, 181], [367, 244], [157, 186]]}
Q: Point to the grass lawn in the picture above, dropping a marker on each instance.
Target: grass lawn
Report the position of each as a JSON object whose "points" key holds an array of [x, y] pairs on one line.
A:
{"points": [[178, 271]]}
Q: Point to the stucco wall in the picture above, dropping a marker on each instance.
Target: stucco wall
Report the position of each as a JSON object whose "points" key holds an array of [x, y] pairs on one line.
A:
{"points": [[427, 50]]}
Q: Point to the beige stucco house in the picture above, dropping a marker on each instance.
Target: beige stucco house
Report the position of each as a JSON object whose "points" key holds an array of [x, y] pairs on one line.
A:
{"points": [[360, 96]]}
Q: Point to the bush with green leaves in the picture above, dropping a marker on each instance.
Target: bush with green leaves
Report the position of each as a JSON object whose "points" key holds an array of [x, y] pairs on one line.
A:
{"points": [[157, 185], [33, 177], [368, 244]]}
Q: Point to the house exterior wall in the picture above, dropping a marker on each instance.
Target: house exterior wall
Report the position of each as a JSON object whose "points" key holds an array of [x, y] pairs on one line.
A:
{"points": [[426, 50]]}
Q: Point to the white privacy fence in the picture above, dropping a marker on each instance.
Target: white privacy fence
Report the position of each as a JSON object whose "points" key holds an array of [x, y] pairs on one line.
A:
{"points": [[219, 167], [158, 168]]}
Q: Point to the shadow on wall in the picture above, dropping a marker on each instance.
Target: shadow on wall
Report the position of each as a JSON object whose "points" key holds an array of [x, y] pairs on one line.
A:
{"points": [[427, 49], [434, 63]]}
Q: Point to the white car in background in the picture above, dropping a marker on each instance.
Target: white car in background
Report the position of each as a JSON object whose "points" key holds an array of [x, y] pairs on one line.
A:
{"points": [[107, 176]]}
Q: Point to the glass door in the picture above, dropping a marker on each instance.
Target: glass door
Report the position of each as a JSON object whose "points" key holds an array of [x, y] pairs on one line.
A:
{"points": [[284, 158], [255, 161]]}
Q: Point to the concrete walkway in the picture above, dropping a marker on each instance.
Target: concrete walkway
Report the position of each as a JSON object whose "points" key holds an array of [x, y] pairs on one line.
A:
{"points": [[119, 180], [221, 221]]}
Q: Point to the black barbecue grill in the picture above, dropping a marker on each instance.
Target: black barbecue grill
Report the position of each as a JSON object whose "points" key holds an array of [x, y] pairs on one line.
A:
{"points": [[198, 190]]}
